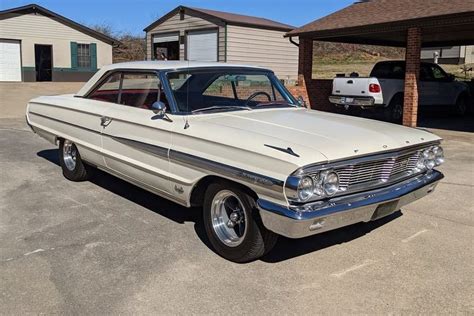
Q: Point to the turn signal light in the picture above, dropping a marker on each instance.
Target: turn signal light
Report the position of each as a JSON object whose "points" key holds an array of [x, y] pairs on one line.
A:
{"points": [[374, 88]]}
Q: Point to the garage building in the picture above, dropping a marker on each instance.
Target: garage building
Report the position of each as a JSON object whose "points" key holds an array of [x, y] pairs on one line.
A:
{"points": [[207, 35], [39, 45]]}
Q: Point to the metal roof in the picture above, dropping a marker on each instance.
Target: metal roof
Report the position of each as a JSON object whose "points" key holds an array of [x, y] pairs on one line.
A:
{"points": [[224, 17], [34, 8]]}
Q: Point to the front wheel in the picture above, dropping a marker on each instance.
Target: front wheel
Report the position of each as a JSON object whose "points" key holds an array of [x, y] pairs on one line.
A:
{"points": [[232, 224]]}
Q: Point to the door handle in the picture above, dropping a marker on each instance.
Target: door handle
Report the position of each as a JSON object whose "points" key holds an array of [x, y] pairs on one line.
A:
{"points": [[105, 121]]}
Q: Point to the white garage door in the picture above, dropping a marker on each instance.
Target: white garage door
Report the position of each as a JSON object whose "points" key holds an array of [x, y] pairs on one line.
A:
{"points": [[10, 60], [202, 45]]}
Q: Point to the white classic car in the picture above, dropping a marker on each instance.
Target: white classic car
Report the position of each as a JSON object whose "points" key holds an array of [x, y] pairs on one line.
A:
{"points": [[233, 140]]}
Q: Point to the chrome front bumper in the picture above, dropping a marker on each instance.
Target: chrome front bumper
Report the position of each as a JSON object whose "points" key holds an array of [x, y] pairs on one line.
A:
{"points": [[318, 217]]}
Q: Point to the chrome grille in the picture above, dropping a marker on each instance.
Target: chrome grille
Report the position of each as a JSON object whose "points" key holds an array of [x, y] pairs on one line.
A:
{"points": [[380, 171]]}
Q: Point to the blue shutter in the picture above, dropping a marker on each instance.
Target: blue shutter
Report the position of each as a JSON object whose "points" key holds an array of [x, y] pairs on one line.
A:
{"points": [[93, 52], [73, 55]]}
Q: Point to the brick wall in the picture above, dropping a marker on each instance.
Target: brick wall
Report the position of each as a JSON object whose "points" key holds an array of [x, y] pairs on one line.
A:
{"points": [[413, 51], [315, 92]]}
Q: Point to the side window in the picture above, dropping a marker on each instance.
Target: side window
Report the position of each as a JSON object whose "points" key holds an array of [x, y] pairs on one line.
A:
{"points": [[140, 90], [438, 73], [426, 73], [109, 90]]}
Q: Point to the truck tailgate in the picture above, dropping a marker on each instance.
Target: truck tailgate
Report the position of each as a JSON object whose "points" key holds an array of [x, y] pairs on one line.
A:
{"points": [[356, 91]]}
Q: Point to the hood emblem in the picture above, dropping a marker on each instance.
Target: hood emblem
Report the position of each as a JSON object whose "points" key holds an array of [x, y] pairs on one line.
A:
{"points": [[288, 150]]}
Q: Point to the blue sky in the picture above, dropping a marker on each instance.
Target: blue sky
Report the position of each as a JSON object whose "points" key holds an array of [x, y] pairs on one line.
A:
{"points": [[133, 15]]}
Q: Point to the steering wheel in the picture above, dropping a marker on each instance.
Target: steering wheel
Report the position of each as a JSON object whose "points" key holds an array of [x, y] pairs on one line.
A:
{"points": [[256, 94]]}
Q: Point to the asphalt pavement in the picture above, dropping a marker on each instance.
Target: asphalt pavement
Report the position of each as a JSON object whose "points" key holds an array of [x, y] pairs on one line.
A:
{"points": [[107, 247]]}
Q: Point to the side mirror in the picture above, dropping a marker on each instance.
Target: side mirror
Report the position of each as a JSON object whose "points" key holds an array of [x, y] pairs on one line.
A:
{"points": [[159, 108], [301, 101]]}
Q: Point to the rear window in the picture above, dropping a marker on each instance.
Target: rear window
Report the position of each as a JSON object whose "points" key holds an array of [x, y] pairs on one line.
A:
{"points": [[389, 70]]}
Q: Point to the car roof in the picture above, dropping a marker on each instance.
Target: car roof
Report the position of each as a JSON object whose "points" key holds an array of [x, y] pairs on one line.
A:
{"points": [[158, 65], [173, 64]]}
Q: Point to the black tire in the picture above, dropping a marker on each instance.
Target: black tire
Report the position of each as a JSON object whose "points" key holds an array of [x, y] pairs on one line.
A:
{"points": [[394, 111], [77, 173], [256, 242], [461, 107]]}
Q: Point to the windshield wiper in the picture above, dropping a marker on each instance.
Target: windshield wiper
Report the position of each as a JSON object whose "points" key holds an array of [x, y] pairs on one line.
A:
{"points": [[222, 107]]}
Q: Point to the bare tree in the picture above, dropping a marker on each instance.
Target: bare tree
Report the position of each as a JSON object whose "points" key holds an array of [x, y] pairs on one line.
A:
{"points": [[131, 47]]}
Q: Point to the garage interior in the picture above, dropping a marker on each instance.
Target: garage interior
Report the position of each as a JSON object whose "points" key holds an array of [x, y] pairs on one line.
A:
{"points": [[412, 24]]}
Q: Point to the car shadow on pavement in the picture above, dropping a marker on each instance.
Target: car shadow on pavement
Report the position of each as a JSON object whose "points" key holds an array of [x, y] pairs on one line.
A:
{"points": [[285, 248]]}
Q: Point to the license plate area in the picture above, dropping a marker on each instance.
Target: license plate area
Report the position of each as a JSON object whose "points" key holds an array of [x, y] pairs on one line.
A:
{"points": [[385, 209], [346, 100]]}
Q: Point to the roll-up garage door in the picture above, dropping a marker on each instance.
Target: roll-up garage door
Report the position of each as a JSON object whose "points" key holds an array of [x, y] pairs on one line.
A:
{"points": [[10, 60], [202, 45]]}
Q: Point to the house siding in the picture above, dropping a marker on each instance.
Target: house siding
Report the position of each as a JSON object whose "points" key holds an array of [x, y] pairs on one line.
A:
{"points": [[33, 29], [189, 23], [450, 55], [261, 47]]}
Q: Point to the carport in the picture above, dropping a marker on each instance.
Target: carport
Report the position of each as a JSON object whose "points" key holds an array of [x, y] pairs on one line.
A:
{"points": [[412, 24]]}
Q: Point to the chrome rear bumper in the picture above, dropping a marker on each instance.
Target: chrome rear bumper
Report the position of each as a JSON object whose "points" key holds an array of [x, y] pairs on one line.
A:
{"points": [[315, 218], [353, 101]]}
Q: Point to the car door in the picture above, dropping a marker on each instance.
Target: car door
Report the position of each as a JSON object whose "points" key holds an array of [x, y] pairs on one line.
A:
{"points": [[135, 141], [429, 87], [446, 92]]}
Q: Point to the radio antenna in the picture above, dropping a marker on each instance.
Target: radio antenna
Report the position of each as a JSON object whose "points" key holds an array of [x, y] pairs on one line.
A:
{"points": [[186, 123]]}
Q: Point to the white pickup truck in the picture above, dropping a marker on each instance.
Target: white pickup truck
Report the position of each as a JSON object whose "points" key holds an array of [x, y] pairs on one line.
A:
{"points": [[385, 85]]}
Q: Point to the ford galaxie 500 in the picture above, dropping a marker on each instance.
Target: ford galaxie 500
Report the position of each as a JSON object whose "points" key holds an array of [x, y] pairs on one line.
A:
{"points": [[233, 140]]}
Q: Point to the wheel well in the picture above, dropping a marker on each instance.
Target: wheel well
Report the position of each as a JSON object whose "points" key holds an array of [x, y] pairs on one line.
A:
{"points": [[199, 189], [398, 95]]}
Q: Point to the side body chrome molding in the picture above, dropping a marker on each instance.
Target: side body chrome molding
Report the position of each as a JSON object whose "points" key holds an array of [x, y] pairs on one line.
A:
{"points": [[185, 159]]}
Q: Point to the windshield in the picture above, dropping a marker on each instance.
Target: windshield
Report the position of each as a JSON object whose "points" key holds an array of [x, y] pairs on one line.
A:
{"points": [[197, 91]]}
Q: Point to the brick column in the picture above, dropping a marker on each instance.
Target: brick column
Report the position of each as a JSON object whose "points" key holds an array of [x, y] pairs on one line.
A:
{"points": [[412, 58], [305, 68]]}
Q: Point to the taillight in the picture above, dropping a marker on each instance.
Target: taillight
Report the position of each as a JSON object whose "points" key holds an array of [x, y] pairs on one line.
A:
{"points": [[374, 88]]}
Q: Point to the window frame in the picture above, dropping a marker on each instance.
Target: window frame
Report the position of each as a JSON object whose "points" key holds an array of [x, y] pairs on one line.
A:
{"points": [[112, 72], [89, 66]]}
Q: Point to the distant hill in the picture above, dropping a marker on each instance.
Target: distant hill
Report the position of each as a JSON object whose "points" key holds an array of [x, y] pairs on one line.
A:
{"points": [[335, 53]]}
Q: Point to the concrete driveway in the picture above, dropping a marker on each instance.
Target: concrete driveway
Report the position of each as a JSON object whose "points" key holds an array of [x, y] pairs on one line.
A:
{"points": [[107, 247]]}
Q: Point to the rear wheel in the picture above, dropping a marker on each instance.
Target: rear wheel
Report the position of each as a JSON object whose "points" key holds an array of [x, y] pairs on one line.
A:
{"points": [[461, 105], [71, 163], [394, 111], [232, 224]]}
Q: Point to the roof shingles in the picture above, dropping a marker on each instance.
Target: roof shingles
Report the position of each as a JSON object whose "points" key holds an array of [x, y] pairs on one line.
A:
{"points": [[372, 12]]}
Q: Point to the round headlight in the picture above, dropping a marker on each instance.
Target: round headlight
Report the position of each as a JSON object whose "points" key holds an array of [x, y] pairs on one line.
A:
{"points": [[439, 155], [331, 183], [429, 158], [305, 189]]}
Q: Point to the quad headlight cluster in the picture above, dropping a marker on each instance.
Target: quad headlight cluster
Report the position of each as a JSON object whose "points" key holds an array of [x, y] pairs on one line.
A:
{"points": [[319, 185], [430, 158]]}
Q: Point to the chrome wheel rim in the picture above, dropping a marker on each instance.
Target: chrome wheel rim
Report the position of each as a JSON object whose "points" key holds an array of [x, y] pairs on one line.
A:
{"points": [[69, 155], [228, 218]]}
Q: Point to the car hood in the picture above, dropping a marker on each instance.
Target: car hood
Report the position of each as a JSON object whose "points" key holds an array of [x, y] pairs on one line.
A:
{"points": [[307, 132]]}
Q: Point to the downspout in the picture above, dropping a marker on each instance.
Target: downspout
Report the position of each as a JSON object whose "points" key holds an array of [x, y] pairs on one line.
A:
{"points": [[225, 42], [293, 42]]}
